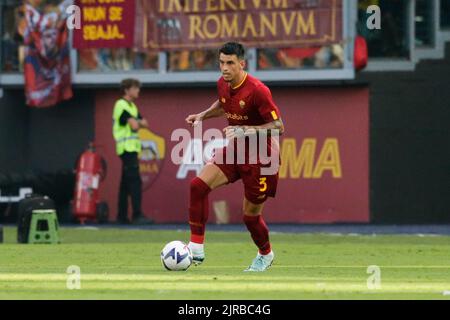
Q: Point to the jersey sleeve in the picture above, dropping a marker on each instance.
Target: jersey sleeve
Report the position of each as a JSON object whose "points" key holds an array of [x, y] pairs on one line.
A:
{"points": [[265, 104]]}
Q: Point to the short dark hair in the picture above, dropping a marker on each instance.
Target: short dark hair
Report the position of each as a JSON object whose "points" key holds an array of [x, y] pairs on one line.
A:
{"points": [[231, 48], [129, 83]]}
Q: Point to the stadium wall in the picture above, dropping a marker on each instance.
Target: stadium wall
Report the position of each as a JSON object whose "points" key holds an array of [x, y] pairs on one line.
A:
{"points": [[410, 143], [44, 140], [324, 151], [58, 135], [13, 131], [39, 147]]}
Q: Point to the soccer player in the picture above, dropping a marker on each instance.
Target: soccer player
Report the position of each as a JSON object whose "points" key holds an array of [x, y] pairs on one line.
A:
{"points": [[249, 108]]}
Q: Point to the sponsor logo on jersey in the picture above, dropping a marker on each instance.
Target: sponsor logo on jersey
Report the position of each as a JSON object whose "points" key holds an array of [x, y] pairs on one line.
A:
{"points": [[235, 116]]}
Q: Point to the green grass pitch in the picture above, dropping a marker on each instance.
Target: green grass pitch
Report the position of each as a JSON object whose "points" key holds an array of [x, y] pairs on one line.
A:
{"points": [[125, 264]]}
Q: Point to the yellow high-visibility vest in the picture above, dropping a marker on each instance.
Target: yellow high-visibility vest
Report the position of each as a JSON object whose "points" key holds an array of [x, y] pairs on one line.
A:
{"points": [[127, 140]]}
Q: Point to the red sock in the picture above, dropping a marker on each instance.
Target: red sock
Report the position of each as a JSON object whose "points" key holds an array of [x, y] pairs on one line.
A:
{"points": [[198, 209], [260, 233]]}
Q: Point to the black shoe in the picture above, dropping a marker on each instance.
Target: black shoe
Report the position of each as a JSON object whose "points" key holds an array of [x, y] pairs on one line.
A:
{"points": [[141, 220]]}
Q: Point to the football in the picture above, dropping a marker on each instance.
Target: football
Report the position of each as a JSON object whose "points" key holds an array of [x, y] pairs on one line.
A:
{"points": [[176, 256]]}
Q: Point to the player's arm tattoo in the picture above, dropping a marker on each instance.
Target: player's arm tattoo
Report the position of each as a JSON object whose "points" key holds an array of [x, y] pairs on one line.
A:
{"points": [[276, 125], [214, 111], [232, 132]]}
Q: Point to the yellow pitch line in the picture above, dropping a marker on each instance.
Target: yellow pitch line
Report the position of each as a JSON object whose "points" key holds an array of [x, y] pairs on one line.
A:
{"points": [[174, 276], [343, 287], [243, 265]]}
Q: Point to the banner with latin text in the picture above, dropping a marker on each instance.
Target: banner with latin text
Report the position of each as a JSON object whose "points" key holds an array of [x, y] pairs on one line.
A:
{"points": [[190, 24], [105, 24]]}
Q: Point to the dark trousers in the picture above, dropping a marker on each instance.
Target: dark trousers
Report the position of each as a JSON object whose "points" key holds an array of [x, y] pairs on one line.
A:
{"points": [[130, 185]]}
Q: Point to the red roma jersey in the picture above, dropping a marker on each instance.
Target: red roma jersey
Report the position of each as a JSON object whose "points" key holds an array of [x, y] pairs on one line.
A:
{"points": [[249, 103]]}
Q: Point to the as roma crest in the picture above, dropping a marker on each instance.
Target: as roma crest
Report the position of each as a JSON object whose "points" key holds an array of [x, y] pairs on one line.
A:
{"points": [[151, 158]]}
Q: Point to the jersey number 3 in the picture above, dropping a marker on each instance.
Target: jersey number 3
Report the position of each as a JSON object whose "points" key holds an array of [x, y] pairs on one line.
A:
{"points": [[263, 184]]}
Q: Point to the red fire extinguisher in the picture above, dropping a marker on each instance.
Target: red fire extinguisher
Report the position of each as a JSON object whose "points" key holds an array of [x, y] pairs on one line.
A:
{"points": [[90, 171]]}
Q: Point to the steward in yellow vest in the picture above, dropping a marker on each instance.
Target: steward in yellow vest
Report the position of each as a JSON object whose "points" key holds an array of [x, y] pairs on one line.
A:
{"points": [[126, 123]]}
